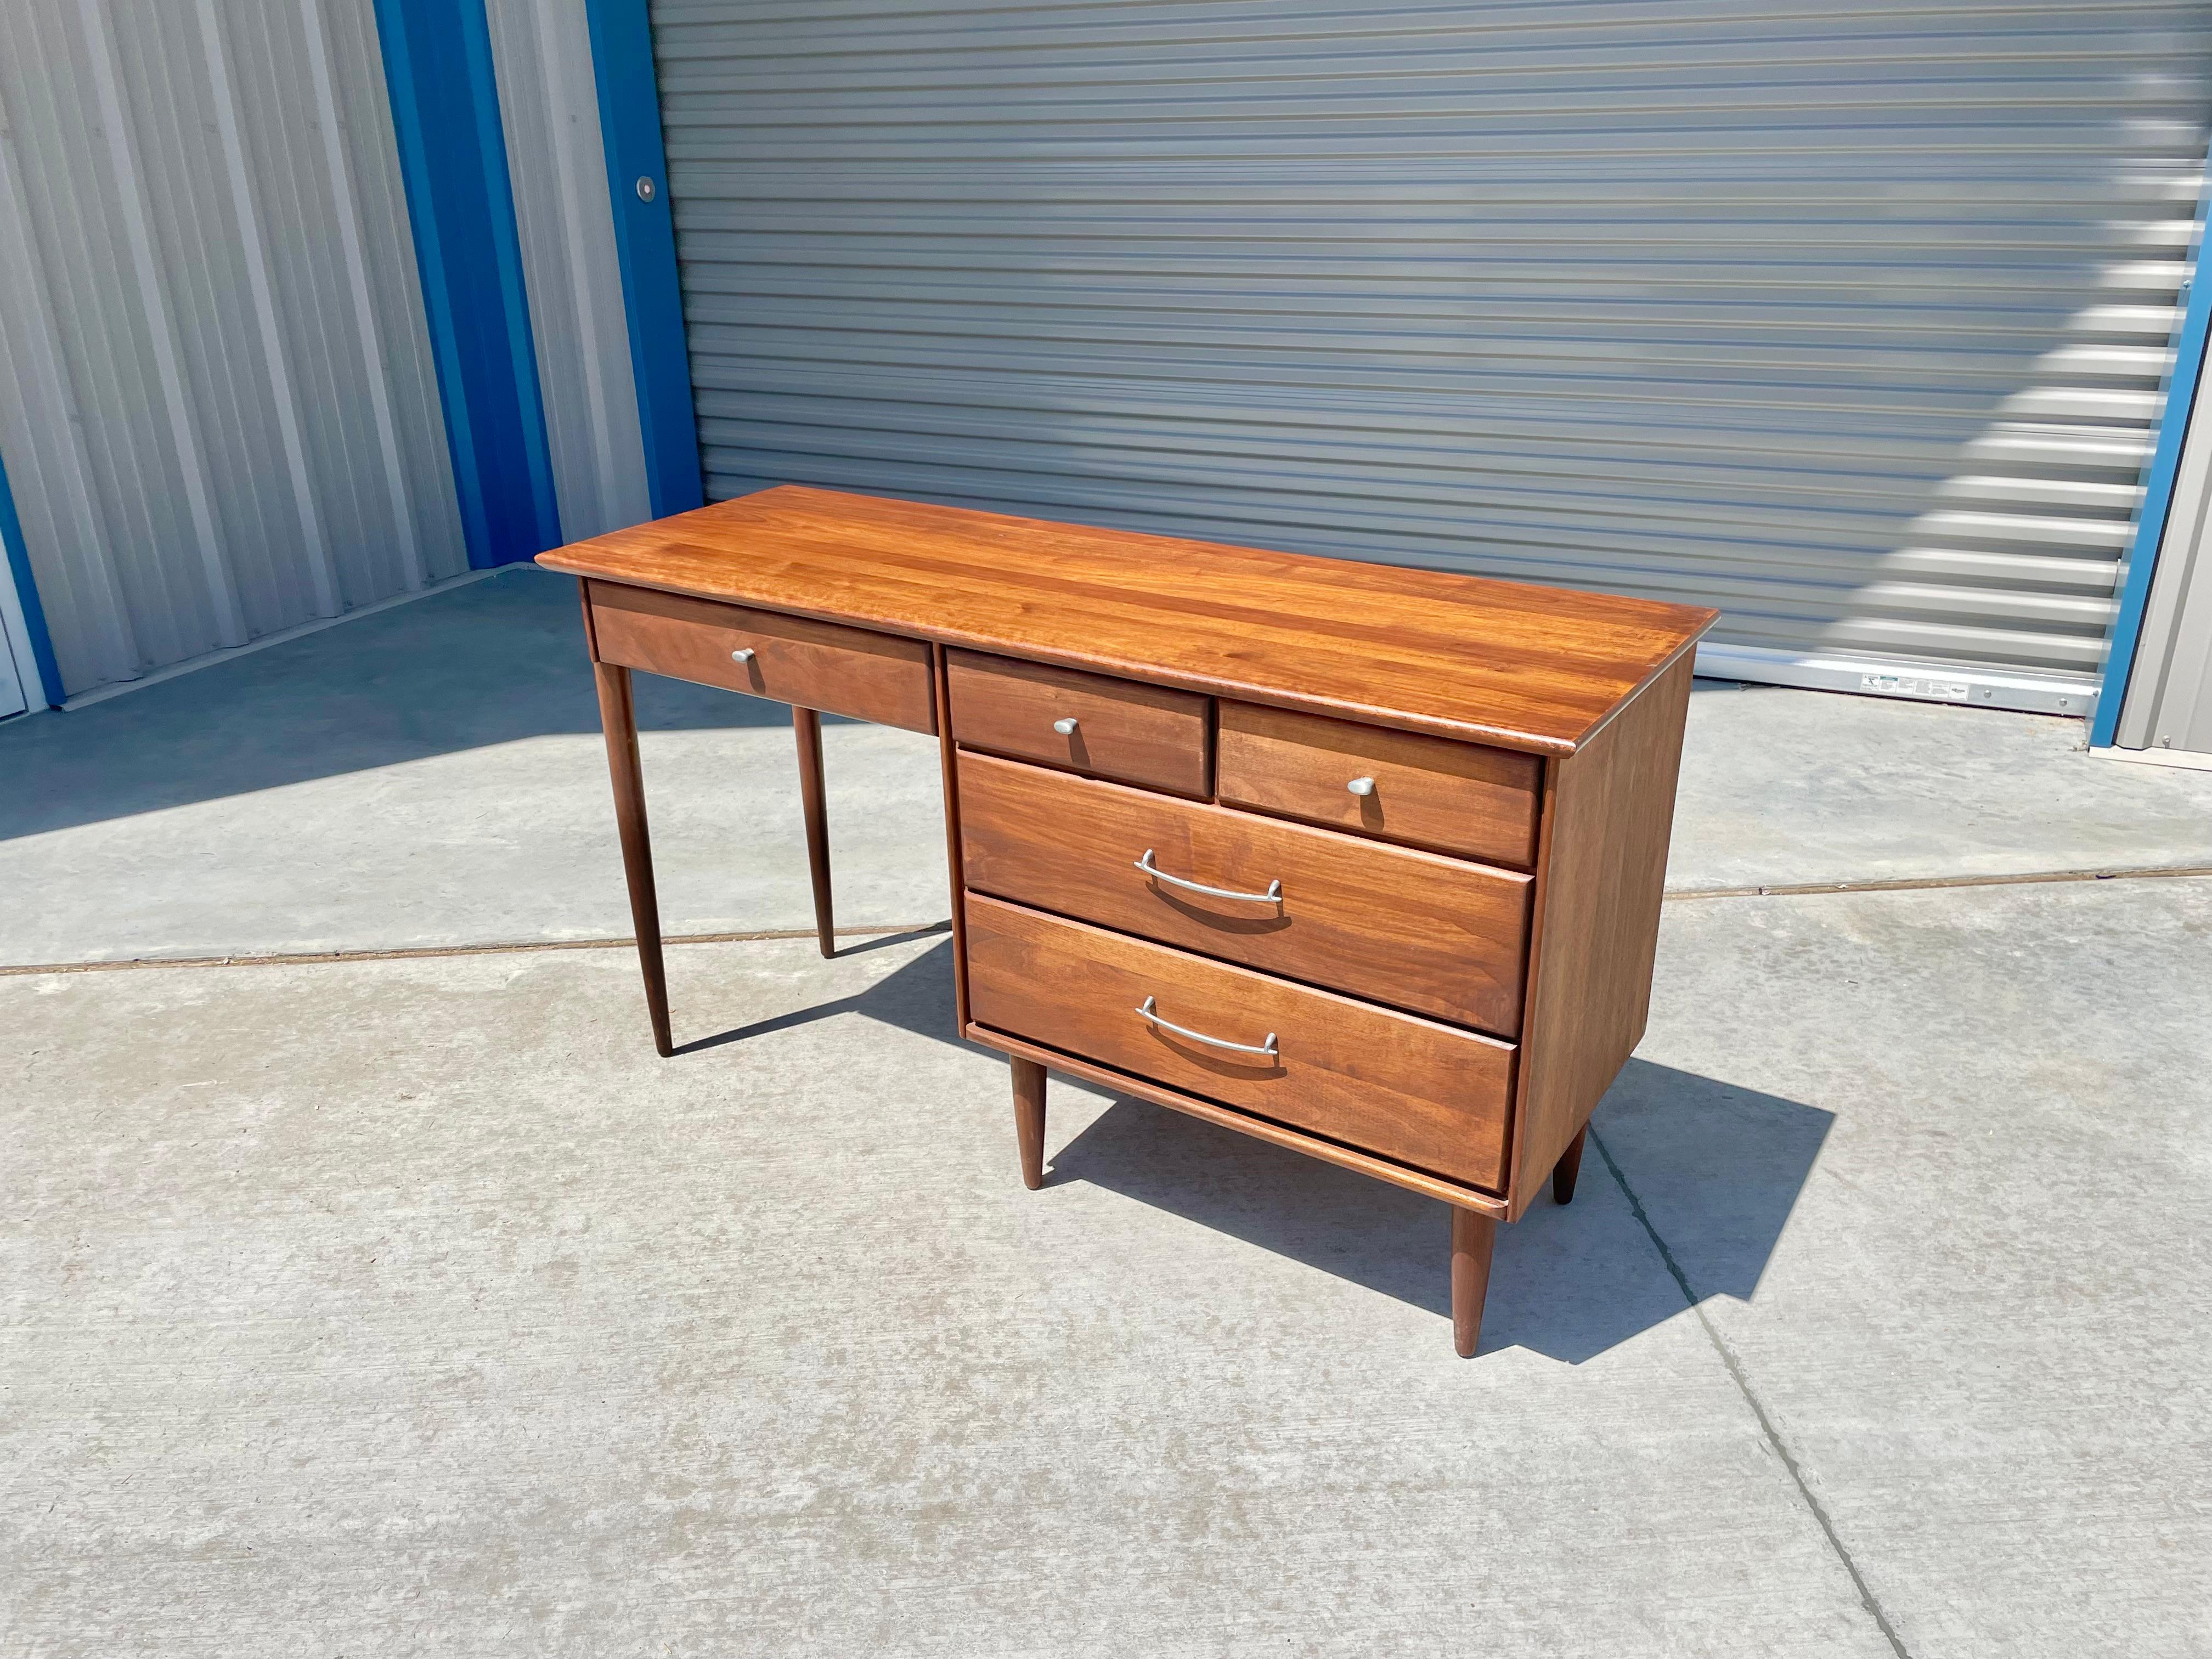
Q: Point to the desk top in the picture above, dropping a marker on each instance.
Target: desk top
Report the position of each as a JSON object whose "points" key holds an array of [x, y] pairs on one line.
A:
{"points": [[1506, 663]]}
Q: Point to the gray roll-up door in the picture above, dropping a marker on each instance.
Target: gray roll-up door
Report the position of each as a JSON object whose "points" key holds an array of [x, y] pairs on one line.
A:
{"points": [[1850, 321]]}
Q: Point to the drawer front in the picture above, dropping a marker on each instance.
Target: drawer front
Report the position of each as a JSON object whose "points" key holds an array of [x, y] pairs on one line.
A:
{"points": [[1412, 929], [1390, 1084], [1457, 797], [793, 660], [1139, 733]]}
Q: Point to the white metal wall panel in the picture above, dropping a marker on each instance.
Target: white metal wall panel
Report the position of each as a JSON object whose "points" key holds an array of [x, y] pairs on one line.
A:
{"points": [[1848, 319], [2168, 709], [227, 420], [550, 106]]}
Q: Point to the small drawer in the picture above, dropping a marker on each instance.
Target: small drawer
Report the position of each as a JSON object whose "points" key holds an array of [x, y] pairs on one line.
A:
{"points": [[1401, 1087], [793, 660], [1401, 786], [1087, 723], [1413, 929]]}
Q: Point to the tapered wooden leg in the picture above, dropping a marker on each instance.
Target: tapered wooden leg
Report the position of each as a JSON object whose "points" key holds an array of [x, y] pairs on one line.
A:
{"points": [[1569, 1166], [808, 724], [1029, 1119], [618, 718], [1472, 1235]]}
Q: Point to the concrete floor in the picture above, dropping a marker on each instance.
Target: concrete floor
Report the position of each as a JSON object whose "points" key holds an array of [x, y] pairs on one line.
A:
{"points": [[413, 1305]]}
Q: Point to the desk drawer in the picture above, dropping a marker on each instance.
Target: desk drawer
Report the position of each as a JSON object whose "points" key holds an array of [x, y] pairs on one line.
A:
{"points": [[1422, 931], [1390, 1084], [793, 660], [1145, 734], [1455, 797]]}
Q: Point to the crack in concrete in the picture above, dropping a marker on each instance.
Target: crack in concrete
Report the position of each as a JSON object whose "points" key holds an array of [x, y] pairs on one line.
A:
{"points": [[1735, 1366]]}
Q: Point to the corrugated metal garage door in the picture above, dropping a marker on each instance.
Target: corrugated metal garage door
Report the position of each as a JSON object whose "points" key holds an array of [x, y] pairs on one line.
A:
{"points": [[1851, 320], [217, 406]]}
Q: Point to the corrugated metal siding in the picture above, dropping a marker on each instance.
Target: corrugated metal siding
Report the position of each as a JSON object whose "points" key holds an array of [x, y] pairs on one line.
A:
{"points": [[15, 671], [1849, 320], [2169, 697], [227, 420], [549, 105]]}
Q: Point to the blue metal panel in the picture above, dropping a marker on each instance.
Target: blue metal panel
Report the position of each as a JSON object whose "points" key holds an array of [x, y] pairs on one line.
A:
{"points": [[27, 591], [445, 115], [644, 243], [2158, 501]]}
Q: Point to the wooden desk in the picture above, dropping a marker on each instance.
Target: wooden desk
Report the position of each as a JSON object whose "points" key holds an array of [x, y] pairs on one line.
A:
{"points": [[1362, 861]]}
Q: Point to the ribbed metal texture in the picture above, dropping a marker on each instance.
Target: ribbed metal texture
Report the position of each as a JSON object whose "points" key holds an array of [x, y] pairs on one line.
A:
{"points": [[225, 420], [1848, 319], [549, 107], [2169, 697]]}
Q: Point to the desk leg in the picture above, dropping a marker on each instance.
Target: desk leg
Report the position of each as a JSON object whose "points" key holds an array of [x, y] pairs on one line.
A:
{"points": [[1029, 1119], [1472, 1235], [618, 718], [1569, 1166], [808, 724]]}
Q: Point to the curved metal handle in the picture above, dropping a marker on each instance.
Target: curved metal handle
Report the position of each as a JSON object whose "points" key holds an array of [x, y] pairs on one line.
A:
{"points": [[1273, 896], [745, 655], [1064, 725], [1266, 1047], [1361, 786]]}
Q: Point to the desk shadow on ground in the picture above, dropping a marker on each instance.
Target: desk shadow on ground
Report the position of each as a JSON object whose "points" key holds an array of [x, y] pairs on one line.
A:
{"points": [[1719, 1167]]}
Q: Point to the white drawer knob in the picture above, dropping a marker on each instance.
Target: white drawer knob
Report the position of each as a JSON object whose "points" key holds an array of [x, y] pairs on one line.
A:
{"points": [[1361, 786], [1064, 725], [745, 655]]}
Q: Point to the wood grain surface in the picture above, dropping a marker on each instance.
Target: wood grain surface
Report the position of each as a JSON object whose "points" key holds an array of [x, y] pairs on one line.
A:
{"points": [[1457, 797], [1228, 1117], [1147, 734], [1405, 1089], [1597, 927], [1526, 668], [1436, 935], [796, 659]]}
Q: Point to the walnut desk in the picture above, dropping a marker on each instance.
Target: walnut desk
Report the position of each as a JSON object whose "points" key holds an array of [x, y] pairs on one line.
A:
{"points": [[1362, 860]]}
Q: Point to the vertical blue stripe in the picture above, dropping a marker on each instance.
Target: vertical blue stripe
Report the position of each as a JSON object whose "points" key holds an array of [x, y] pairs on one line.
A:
{"points": [[460, 202], [2158, 499], [645, 246], [27, 590]]}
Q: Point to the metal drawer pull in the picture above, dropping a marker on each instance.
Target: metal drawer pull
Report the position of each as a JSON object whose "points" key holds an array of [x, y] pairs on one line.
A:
{"points": [[1266, 1047], [1361, 786], [745, 655], [1064, 725], [1273, 896]]}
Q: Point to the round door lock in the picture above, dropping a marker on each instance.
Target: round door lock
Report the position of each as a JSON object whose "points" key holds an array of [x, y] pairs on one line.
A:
{"points": [[646, 190]]}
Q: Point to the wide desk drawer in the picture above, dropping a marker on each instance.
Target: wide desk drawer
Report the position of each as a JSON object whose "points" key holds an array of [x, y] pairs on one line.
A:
{"points": [[1432, 791], [1093, 723], [1426, 933], [793, 660], [1426, 1095]]}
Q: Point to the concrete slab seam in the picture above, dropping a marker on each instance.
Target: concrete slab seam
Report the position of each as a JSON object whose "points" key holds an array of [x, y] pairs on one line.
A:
{"points": [[614, 942], [1922, 883], [412, 953], [1735, 1370]]}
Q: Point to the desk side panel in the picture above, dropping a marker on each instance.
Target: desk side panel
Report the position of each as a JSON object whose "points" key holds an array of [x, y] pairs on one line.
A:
{"points": [[1605, 872]]}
